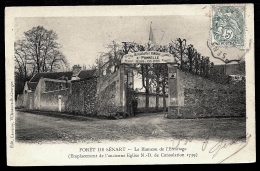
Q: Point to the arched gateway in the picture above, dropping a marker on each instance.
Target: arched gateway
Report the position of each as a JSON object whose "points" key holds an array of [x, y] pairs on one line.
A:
{"points": [[145, 57]]}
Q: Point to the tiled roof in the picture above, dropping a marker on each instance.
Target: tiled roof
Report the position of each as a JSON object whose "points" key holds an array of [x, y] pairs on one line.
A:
{"points": [[52, 75], [86, 73], [58, 75], [31, 86]]}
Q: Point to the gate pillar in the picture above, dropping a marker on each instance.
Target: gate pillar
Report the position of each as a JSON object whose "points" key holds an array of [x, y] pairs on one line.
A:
{"points": [[173, 90]]}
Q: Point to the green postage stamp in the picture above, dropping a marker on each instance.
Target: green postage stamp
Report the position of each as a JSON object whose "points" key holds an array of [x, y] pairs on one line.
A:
{"points": [[228, 25]]}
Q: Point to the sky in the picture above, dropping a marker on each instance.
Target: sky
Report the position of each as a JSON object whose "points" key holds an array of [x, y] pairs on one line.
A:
{"points": [[85, 38]]}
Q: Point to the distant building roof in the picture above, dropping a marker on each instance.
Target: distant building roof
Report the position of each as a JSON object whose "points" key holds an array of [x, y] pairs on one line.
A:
{"points": [[58, 75], [31, 86], [86, 73]]}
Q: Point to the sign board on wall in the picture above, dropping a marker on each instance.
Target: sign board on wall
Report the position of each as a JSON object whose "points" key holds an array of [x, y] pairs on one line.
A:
{"points": [[147, 57], [172, 75]]}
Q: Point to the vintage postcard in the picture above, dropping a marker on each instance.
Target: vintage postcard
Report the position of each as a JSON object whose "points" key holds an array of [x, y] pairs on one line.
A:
{"points": [[130, 85]]}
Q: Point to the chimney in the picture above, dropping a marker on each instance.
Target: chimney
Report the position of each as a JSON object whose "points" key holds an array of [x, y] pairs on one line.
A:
{"points": [[76, 70]]}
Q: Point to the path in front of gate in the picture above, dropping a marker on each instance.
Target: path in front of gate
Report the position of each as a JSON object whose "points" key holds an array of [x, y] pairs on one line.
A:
{"points": [[42, 128]]}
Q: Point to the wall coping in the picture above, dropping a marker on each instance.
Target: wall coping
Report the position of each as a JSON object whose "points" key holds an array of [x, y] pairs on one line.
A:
{"points": [[82, 80], [54, 91], [55, 80]]}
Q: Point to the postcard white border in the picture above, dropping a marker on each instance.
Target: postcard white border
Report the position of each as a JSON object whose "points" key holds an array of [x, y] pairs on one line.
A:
{"points": [[56, 154]]}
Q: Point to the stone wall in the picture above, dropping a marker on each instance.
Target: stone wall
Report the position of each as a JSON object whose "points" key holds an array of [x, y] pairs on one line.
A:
{"points": [[141, 98], [105, 80], [50, 100], [25, 100], [108, 90], [83, 97], [75, 102], [199, 97], [25, 97], [20, 101], [205, 98], [55, 85], [95, 96], [30, 100], [38, 92], [107, 101], [90, 96]]}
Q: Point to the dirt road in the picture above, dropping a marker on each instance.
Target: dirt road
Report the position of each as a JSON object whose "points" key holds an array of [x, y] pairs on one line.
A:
{"points": [[31, 127]]}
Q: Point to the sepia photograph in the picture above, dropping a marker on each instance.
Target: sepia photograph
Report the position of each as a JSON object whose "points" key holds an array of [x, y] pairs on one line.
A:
{"points": [[116, 85]]}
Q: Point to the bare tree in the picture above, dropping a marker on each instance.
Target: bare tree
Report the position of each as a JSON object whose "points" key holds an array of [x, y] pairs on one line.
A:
{"points": [[20, 58], [177, 49], [37, 52], [191, 53], [55, 61], [160, 73], [115, 54], [24, 68], [41, 47]]}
